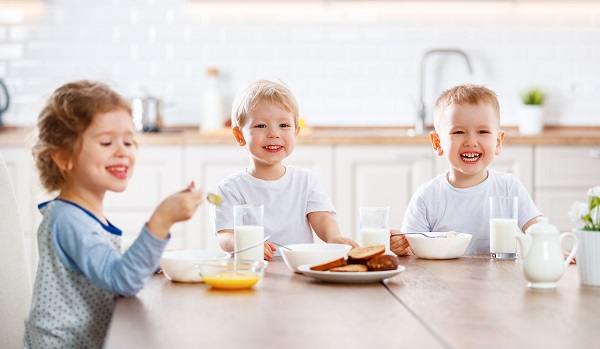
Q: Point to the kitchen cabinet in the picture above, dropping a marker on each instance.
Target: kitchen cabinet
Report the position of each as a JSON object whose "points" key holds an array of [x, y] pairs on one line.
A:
{"points": [[378, 176], [563, 175]]}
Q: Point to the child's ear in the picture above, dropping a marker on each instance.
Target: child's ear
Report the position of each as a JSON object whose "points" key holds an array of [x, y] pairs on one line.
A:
{"points": [[434, 138], [297, 130], [239, 136], [62, 160], [499, 141]]}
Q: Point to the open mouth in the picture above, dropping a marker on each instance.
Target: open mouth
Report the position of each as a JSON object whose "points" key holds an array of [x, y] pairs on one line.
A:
{"points": [[470, 157], [118, 171], [273, 147]]}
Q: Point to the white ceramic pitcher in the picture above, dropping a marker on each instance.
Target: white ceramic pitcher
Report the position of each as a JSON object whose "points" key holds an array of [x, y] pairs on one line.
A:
{"points": [[543, 261]]}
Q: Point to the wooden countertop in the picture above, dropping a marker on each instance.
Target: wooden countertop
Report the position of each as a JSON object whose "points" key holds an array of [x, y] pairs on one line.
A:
{"points": [[395, 135], [469, 302]]}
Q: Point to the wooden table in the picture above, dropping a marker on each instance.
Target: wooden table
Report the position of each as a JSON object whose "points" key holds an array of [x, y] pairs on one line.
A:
{"points": [[470, 302]]}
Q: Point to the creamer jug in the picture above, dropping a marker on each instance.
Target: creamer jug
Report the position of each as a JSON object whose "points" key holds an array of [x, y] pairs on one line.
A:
{"points": [[543, 262]]}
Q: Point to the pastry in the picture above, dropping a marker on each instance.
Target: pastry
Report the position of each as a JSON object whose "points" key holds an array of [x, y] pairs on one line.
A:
{"points": [[362, 254], [328, 265], [384, 262], [350, 268]]}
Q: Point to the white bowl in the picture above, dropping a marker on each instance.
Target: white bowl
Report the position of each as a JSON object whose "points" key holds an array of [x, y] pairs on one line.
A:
{"points": [[440, 248], [312, 254], [181, 265]]}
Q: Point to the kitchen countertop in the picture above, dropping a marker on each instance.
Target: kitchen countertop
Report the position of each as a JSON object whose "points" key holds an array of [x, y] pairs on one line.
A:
{"points": [[393, 135]]}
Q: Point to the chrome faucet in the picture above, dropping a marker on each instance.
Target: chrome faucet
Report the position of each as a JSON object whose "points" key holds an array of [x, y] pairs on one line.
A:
{"points": [[421, 111]]}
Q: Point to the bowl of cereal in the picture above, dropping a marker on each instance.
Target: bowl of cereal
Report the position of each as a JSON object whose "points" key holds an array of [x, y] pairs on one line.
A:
{"points": [[439, 245], [316, 253], [180, 265]]}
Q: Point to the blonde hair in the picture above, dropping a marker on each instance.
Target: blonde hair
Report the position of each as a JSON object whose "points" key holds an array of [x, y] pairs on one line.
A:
{"points": [[258, 91], [67, 114], [465, 94]]}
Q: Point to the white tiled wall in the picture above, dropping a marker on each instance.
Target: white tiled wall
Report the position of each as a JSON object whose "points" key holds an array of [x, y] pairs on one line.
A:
{"points": [[348, 62]]}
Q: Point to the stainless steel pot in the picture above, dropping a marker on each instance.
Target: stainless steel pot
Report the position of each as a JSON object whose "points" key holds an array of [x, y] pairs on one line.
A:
{"points": [[147, 114]]}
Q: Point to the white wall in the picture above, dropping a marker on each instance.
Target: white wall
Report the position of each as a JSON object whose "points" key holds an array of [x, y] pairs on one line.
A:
{"points": [[349, 63]]}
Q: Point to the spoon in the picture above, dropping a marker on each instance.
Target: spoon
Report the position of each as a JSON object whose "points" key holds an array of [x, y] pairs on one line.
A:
{"points": [[280, 245], [214, 199], [428, 236], [247, 248]]}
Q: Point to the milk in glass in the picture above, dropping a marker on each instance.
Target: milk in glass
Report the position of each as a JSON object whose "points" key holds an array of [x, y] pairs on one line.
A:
{"points": [[249, 235], [502, 235], [376, 236]]}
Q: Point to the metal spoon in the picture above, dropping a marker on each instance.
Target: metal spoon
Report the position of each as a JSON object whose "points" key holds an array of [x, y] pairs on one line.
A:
{"points": [[428, 236], [214, 199], [247, 248], [280, 245]]}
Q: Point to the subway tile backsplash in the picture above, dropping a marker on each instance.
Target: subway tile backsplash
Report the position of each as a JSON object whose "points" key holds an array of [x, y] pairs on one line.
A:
{"points": [[348, 63]]}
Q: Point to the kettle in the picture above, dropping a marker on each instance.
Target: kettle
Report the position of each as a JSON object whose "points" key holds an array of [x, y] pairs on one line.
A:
{"points": [[147, 114], [543, 262], [4, 100]]}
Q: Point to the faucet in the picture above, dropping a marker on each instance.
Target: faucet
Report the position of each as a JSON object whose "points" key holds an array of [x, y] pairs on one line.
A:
{"points": [[421, 112]]}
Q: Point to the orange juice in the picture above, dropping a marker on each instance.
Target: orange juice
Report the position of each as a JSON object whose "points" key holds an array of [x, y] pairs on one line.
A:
{"points": [[232, 280]]}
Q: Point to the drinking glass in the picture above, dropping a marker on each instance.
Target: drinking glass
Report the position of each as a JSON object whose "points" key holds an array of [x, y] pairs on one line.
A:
{"points": [[503, 227], [248, 230], [375, 226]]}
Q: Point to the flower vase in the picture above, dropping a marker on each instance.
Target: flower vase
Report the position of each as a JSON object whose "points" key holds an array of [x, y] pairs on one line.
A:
{"points": [[531, 119], [588, 257]]}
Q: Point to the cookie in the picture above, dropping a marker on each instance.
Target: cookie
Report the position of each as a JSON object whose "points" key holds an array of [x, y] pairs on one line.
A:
{"points": [[328, 265], [367, 252], [384, 262], [353, 268]]}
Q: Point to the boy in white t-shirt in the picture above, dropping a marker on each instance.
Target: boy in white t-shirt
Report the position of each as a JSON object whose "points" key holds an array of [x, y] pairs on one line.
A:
{"points": [[264, 120], [467, 132]]}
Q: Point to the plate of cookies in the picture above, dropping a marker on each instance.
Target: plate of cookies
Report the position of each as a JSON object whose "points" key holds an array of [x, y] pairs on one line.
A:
{"points": [[365, 264]]}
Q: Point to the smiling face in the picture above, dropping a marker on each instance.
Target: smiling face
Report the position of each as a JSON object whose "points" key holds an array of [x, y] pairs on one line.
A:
{"points": [[469, 136], [269, 135], [105, 157]]}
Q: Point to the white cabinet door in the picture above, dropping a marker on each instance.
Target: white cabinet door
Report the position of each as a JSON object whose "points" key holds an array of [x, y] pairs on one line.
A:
{"points": [[158, 173], [517, 160], [378, 176], [563, 175], [209, 165]]}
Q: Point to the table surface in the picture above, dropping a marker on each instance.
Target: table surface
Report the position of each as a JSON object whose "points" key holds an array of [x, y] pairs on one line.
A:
{"points": [[470, 302]]}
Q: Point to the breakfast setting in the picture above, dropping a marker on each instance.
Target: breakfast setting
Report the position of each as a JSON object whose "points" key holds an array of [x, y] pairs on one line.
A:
{"points": [[300, 174]]}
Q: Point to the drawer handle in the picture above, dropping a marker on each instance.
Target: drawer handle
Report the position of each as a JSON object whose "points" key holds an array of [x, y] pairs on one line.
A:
{"points": [[595, 154]]}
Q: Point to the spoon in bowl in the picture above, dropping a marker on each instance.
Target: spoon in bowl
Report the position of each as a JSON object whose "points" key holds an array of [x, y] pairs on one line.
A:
{"points": [[280, 245], [428, 236]]}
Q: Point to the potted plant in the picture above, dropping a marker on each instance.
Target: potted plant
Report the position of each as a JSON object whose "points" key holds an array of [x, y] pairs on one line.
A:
{"points": [[588, 253], [531, 114]]}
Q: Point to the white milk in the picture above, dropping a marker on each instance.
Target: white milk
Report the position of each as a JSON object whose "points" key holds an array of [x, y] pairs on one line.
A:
{"points": [[376, 236], [502, 239], [249, 235]]}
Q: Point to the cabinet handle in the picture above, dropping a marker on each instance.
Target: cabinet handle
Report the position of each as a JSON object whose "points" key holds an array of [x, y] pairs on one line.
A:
{"points": [[595, 154]]}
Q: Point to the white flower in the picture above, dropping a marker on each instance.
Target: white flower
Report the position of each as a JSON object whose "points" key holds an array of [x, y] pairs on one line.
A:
{"points": [[594, 192], [578, 211], [595, 215]]}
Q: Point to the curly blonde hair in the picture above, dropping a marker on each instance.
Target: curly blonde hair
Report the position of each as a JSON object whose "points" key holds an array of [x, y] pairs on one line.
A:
{"points": [[67, 114], [465, 94], [258, 91]]}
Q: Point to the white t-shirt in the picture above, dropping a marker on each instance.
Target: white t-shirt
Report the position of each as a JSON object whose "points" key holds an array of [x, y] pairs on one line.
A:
{"points": [[438, 206], [287, 201]]}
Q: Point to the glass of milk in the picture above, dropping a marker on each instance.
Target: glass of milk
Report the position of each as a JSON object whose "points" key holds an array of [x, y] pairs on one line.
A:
{"points": [[503, 226], [375, 226], [248, 230]]}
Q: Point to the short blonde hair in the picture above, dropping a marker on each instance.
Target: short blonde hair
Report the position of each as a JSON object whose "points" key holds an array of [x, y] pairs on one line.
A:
{"points": [[258, 91], [67, 114], [465, 94]]}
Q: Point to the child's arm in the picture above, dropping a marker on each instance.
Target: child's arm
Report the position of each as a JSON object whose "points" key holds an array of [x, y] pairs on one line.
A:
{"points": [[327, 228], [399, 244], [176, 208]]}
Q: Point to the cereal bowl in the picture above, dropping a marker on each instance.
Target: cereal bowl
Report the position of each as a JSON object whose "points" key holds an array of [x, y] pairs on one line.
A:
{"points": [[231, 274], [317, 253], [443, 247], [180, 265]]}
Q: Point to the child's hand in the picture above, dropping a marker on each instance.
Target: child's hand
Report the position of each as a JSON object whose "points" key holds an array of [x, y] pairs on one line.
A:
{"points": [[343, 240], [178, 207], [399, 244], [269, 251]]}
